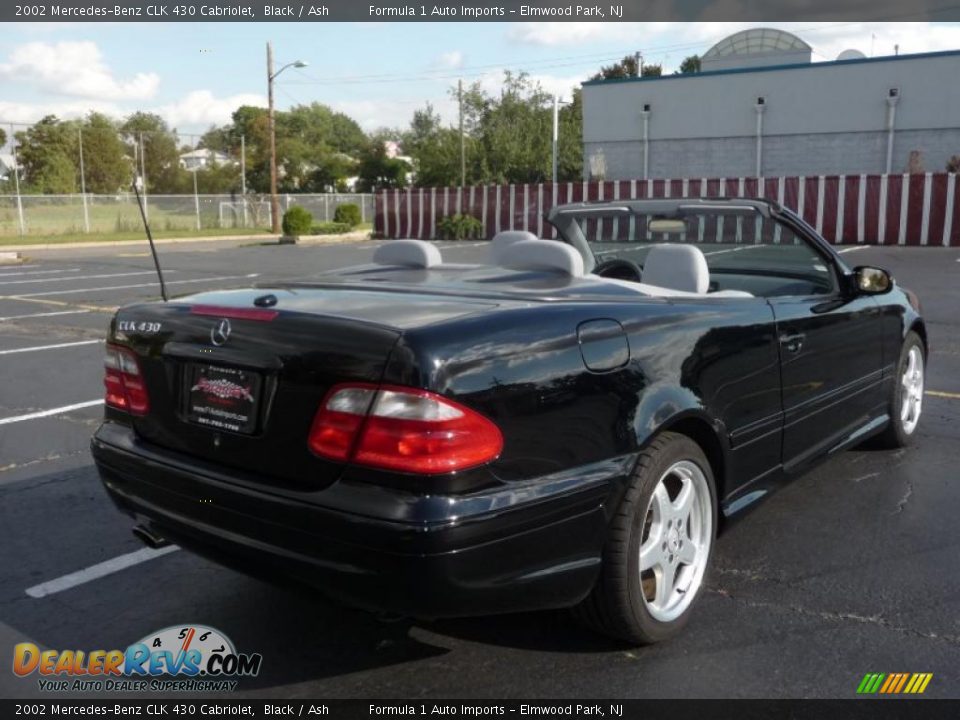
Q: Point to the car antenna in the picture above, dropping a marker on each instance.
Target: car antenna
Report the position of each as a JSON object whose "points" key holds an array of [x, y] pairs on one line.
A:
{"points": [[153, 248]]}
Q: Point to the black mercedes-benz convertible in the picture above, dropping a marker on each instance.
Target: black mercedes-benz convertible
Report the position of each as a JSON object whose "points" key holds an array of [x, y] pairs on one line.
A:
{"points": [[565, 425]]}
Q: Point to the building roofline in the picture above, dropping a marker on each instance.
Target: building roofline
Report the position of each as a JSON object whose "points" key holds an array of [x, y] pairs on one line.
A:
{"points": [[770, 68]]}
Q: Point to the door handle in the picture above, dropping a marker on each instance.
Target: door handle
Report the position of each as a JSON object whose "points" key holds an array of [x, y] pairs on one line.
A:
{"points": [[792, 343]]}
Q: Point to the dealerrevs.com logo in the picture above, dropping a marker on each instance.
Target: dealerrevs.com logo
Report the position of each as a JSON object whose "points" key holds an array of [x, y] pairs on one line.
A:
{"points": [[184, 658]]}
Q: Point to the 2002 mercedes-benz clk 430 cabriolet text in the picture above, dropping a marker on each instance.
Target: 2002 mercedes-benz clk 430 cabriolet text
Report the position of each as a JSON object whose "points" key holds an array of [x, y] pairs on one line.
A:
{"points": [[565, 425]]}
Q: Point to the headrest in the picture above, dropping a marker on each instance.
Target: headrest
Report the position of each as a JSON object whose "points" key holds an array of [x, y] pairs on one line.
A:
{"points": [[549, 255], [678, 267], [409, 253], [503, 239]]}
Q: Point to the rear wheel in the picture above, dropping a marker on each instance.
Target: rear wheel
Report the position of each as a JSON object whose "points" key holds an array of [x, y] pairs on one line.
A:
{"points": [[906, 401], [659, 547]]}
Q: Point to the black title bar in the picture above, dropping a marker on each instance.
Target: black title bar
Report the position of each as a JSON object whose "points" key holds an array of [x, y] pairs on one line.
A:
{"points": [[467, 11], [181, 707]]}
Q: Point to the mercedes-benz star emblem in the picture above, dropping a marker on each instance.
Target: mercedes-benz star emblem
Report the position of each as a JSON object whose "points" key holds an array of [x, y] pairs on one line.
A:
{"points": [[220, 332]]}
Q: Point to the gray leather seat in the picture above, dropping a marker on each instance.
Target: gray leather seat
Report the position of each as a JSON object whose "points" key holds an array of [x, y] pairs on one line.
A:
{"points": [[408, 253]]}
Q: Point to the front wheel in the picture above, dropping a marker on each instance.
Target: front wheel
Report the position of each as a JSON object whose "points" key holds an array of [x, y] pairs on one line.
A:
{"points": [[659, 547], [906, 401]]}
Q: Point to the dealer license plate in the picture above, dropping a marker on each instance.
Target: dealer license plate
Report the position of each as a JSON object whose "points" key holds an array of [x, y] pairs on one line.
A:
{"points": [[223, 398]]}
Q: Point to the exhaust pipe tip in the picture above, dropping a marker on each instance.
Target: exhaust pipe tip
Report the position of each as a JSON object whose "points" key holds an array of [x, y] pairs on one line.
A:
{"points": [[149, 538]]}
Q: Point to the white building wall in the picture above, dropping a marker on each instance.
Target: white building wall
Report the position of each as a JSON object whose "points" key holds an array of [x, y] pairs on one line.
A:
{"points": [[822, 118]]}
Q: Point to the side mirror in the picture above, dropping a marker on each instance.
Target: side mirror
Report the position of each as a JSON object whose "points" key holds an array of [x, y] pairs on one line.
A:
{"points": [[872, 280]]}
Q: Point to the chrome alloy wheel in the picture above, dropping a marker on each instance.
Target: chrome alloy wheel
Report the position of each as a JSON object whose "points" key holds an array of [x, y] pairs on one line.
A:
{"points": [[675, 544], [911, 390]]}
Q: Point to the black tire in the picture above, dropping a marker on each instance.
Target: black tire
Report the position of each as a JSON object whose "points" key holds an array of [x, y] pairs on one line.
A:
{"points": [[615, 606], [895, 435]]}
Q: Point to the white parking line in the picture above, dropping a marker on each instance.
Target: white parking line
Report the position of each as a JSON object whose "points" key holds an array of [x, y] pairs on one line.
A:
{"points": [[730, 250], [853, 249], [48, 413], [95, 572], [49, 347], [46, 314], [128, 287], [37, 272], [83, 277]]}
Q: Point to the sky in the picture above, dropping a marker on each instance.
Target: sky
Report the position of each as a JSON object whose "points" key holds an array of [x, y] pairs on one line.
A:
{"points": [[195, 74]]}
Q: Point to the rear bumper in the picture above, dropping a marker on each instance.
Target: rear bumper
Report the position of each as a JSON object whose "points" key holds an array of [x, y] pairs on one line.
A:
{"points": [[529, 546]]}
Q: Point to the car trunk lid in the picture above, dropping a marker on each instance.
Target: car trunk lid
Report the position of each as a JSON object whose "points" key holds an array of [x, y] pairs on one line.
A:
{"points": [[236, 377]]}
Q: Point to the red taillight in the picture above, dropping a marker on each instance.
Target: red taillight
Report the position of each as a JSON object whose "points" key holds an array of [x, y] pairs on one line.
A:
{"points": [[235, 313], [402, 429], [123, 381]]}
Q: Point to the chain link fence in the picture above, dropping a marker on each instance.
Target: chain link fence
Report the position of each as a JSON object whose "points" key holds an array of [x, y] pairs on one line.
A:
{"points": [[106, 214]]}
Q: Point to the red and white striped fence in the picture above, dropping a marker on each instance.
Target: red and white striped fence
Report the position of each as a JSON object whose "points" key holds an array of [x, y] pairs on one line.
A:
{"points": [[922, 209]]}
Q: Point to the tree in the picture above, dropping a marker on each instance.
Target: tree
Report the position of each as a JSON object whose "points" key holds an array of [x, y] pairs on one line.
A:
{"points": [[106, 167], [330, 172], [46, 153], [3, 137], [507, 137], [435, 149], [377, 171], [161, 157], [316, 146], [253, 124], [690, 64], [515, 132], [627, 67], [570, 156], [218, 178]]}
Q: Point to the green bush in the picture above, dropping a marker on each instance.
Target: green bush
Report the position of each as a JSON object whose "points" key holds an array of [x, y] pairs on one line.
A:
{"points": [[330, 228], [348, 213], [297, 221], [459, 227]]}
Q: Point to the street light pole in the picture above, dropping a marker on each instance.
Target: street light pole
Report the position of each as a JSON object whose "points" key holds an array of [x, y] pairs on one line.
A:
{"points": [[557, 102], [556, 134], [271, 76], [196, 196], [274, 199]]}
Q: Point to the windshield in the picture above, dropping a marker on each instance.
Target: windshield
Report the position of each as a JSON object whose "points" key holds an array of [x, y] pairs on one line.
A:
{"points": [[743, 249]]}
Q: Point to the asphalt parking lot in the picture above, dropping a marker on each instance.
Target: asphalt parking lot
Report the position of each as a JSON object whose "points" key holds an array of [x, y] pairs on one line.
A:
{"points": [[853, 568]]}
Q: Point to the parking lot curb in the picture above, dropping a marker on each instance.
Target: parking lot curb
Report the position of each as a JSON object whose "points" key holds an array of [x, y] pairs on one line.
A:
{"points": [[333, 239], [134, 243], [262, 239]]}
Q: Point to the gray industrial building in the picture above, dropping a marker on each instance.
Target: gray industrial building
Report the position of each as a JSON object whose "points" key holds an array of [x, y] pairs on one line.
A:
{"points": [[759, 106]]}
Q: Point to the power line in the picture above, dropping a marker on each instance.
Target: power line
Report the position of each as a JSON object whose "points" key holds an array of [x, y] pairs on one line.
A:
{"points": [[658, 51]]}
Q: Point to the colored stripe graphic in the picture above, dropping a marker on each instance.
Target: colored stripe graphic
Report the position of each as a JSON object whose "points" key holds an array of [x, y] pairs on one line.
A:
{"points": [[894, 683]]}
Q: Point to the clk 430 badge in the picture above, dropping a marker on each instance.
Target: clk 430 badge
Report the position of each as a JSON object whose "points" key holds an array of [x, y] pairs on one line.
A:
{"points": [[138, 326]]}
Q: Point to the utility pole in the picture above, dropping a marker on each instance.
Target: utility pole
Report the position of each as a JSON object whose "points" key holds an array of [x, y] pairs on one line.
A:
{"points": [[271, 128], [556, 134], [638, 62], [143, 177], [83, 184], [196, 197], [16, 180], [463, 150], [243, 176], [271, 124]]}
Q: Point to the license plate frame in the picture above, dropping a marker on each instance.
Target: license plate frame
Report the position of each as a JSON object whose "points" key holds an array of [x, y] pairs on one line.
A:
{"points": [[223, 398]]}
